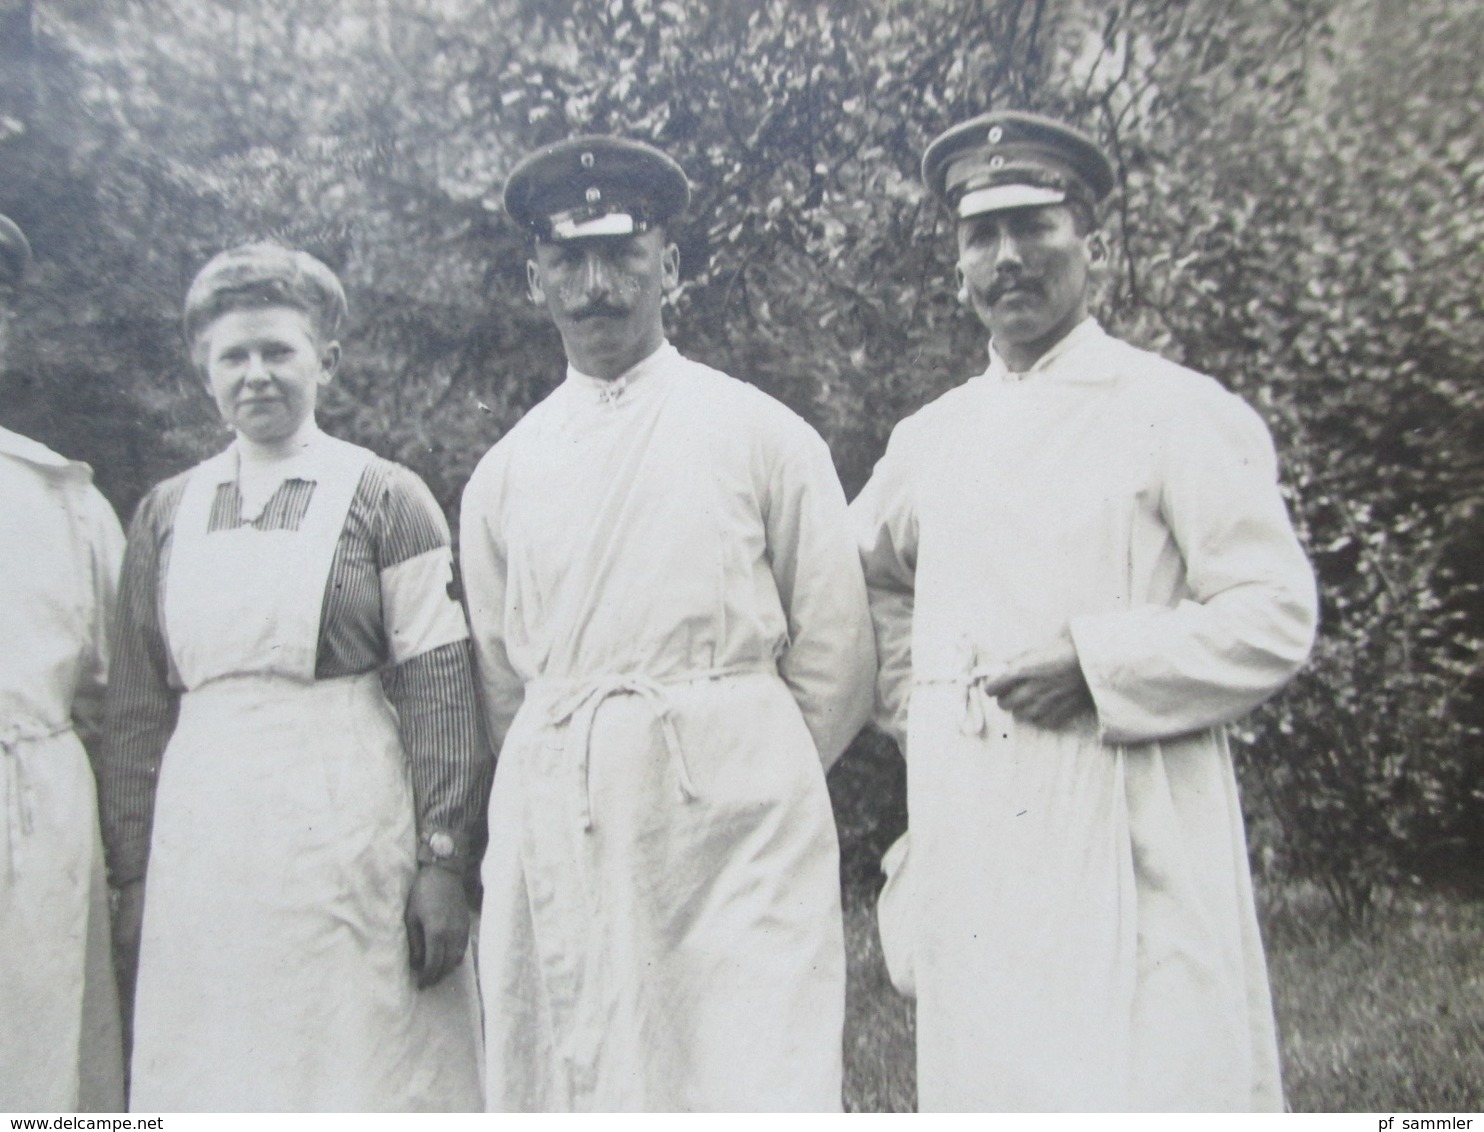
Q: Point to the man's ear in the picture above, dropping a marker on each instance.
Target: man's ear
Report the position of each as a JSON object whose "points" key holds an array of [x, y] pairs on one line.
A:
{"points": [[533, 282], [963, 284], [670, 268], [329, 362], [1097, 246], [1099, 258]]}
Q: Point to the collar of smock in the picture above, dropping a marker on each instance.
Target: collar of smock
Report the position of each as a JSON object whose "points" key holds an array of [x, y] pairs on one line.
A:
{"points": [[1074, 358], [33, 452], [623, 387]]}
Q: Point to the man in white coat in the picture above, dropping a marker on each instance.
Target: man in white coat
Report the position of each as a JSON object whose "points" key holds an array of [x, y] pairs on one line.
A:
{"points": [[1080, 568], [60, 1040], [673, 642]]}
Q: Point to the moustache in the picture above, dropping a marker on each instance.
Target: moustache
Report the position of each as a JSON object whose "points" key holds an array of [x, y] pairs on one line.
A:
{"points": [[1000, 288], [597, 310]]}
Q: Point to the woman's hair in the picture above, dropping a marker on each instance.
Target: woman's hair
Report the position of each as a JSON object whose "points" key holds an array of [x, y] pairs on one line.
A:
{"points": [[265, 274]]}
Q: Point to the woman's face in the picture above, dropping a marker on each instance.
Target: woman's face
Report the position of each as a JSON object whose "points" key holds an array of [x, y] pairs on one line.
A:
{"points": [[264, 367]]}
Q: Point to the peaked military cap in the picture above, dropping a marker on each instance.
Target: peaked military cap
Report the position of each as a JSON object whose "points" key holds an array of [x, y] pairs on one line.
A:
{"points": [[1010, 159], [15, 251], [595, 186]]}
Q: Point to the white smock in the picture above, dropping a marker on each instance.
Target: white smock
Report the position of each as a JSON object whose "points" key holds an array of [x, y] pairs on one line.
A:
{"points": [[673, 640], [1076, 907], [59, 1040], [274, 970]]}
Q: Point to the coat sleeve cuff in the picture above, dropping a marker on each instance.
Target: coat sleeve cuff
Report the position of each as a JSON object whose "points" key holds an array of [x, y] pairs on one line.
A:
{"points": [[1095, 638]]}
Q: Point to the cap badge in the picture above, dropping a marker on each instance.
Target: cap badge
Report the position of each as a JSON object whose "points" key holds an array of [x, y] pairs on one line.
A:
{"points": [[587, 160]]}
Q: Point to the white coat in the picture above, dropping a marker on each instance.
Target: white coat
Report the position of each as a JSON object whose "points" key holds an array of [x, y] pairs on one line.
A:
{"points": [[672, 636], [60, 1043], [1076, 904]]}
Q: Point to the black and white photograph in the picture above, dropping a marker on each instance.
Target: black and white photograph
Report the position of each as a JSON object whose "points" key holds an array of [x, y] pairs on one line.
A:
{"points": [[729, 556]]}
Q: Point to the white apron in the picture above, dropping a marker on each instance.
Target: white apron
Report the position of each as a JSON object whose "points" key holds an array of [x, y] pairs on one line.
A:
{"points": [[274, 965]]}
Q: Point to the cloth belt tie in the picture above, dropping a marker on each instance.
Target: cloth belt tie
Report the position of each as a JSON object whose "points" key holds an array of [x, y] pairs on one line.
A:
{"points": [[19, 819], [975, 718], [579, 708]]}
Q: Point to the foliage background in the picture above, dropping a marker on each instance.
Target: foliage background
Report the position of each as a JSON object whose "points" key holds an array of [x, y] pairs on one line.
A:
{"points": [[1301, 215]]}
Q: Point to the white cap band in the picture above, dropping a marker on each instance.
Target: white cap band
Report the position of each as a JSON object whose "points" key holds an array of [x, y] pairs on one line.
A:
{"points": [[609, 224], [998, 197]]}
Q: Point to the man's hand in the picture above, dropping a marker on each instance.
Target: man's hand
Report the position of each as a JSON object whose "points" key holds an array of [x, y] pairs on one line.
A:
{"points": [[128, 924], [437, 921], [1044, 686]]}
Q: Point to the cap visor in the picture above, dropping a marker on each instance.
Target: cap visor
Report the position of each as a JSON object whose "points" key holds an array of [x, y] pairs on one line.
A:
{"points": [[611, 224], [996, 198]]}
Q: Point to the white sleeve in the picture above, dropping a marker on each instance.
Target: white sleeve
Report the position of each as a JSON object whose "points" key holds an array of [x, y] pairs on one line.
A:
{"points": [[483, 565], [884, 517], [1249, 620], [830, 663], [105, 541]]}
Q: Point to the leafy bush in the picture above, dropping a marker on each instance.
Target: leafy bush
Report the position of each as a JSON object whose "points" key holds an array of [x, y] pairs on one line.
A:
{"points": [[1302, 216]]}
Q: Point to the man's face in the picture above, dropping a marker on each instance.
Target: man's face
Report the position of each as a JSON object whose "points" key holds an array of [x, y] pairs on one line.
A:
{"points": [[605, 294], [1026, 271]]}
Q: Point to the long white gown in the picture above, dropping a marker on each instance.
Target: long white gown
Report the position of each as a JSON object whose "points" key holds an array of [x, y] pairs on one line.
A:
{"points": [[1077, 904], [60, 1046], [673, 640]]}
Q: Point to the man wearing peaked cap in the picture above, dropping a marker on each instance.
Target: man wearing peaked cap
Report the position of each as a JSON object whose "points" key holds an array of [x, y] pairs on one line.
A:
{"points": [[1080, 569], [673, 644], [60, 1049]]}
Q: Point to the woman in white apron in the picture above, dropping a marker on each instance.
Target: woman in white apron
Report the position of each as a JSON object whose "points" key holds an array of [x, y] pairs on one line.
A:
{"points": [[296, 841]]}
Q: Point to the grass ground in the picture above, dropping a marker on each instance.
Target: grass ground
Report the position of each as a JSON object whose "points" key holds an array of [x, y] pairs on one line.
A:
{"points": [[1390, 1019], [880, 1065]]}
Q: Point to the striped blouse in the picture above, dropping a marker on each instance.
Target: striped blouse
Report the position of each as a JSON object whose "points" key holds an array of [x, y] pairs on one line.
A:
{"points": [[390, 604]]}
